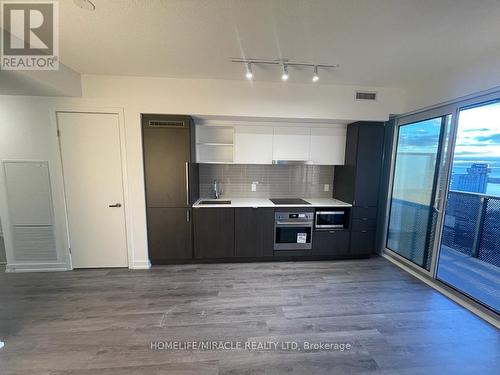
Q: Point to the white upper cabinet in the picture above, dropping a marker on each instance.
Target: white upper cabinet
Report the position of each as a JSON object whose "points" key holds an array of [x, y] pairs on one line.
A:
{"points": [[253, 144], [267, 142], [328, 146], [214, 144], [291, 143]]}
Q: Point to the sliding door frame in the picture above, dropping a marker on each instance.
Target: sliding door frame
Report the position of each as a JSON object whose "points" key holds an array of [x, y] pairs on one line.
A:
{"points": [[448, 110], [445, 167]]}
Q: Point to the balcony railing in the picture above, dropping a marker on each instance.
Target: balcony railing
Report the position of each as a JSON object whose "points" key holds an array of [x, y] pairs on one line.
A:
{"points": [[472, 225]]}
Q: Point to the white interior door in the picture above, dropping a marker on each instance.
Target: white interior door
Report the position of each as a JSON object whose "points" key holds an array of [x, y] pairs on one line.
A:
{"points": [[91, 159]]}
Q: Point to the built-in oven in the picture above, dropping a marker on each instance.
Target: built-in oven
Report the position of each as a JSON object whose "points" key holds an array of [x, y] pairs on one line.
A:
{"points": [[293, 230], [330, 219]]}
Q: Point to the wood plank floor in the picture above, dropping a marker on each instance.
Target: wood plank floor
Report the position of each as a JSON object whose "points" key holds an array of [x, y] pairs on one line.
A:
{"points": [[103, 321]]}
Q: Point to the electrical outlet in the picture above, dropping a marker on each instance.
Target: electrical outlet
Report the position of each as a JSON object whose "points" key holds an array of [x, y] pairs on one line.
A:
{"points": [[254, 186], [326, 187]]}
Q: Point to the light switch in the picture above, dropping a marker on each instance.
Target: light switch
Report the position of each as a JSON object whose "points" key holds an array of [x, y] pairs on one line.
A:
{"points": [[327, 187]]}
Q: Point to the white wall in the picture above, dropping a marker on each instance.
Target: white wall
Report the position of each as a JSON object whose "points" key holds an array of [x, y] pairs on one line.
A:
{"points": [[242, 98], [62, 82], [464, 78], [27, 130], [26, 133]]}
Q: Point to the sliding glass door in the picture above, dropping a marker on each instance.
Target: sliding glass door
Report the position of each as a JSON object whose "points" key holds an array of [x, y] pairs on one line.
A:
{"points": [[443, 209], [469, 257], [417, 189]]}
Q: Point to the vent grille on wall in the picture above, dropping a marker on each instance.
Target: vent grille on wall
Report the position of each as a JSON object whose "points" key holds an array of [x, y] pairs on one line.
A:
{"points": [[29, 199], [363, 95], [34, 244], [166, 124]]}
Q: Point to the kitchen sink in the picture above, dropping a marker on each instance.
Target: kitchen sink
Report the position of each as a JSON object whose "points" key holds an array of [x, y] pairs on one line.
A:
{"points": [[214, 202]]}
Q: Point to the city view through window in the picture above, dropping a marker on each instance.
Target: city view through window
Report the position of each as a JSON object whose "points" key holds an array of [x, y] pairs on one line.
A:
{"points": [[476, 165]]}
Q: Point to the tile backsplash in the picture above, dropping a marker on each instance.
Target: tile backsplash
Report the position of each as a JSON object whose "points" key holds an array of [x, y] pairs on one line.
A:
{"points": [[274, 181]]}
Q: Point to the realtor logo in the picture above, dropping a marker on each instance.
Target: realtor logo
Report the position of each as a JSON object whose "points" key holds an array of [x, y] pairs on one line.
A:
{"points": [[29, 33]]}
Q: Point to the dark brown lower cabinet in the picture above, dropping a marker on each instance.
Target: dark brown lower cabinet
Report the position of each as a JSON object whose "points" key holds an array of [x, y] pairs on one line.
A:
{"points": [[253, 228], [331, 243], [169, 234], [362, 242], [363, 229], [213, 233]]}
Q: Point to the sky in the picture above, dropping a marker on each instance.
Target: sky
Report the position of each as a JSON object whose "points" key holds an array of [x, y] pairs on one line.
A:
{"points": [[478, 134], [421, 137]]}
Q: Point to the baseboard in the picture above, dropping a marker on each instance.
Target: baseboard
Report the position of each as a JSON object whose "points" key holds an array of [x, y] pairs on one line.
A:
{"points": [[287, 258], [488, 316], [36, 267], [140, 265]]}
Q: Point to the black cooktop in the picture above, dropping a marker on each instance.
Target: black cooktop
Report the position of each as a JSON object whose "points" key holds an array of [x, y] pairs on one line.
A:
{"points": [[288, 201]]}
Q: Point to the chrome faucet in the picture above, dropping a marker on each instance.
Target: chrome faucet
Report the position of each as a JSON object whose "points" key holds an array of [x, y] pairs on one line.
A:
{"points": [[217, 190]]}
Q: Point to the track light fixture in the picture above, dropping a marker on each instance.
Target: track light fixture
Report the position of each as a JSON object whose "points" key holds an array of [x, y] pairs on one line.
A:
{"points": [[284, 63], [315, 77], [284, 76]]}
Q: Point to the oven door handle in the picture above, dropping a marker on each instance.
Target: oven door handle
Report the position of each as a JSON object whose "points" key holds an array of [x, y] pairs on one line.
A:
{"points": [[304, 224]]}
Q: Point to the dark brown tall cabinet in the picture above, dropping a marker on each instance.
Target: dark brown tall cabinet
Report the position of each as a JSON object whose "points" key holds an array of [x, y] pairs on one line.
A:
{"points": [[358, 182], [171, 185]]}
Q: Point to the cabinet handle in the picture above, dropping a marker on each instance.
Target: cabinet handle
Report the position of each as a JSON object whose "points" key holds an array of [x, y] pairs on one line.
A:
{"points": [[187, 183], [188, 216], [364, 231], [364, 218]]}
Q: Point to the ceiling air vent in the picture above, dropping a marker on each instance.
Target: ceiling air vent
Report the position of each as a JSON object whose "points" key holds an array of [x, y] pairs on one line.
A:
{"points": [[166, 124], [364, 95]]}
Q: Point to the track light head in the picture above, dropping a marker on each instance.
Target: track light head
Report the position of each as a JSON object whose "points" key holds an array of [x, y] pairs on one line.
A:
{"points": [[249, 73], [315, 77], [284, 76]]}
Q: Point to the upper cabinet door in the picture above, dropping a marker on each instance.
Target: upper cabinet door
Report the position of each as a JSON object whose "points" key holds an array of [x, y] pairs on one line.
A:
{"points": [[328, 146], [253, 144], [291, 143]]}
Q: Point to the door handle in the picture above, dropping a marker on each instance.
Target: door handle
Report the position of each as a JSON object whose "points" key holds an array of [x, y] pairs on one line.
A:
{"points": [[115, 205]]}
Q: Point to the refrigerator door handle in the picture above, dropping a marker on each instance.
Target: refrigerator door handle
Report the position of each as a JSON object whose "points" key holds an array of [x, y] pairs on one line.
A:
{"points": [[187, 183]]}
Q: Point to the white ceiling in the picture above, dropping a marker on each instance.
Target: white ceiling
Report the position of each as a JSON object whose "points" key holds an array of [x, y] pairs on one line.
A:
{"points": [[376, 42]]}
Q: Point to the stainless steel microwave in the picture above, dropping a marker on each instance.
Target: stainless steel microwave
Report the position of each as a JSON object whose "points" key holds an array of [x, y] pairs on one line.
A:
{"points": [[330, 219]]}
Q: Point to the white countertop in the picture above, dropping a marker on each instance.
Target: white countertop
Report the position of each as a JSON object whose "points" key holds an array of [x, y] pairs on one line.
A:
{"points": [[265, 202]]}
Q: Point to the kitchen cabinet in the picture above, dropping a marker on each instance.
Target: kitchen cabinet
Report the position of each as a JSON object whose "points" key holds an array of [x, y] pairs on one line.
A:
{"points": [[368, 165], [362, 242], [213, 233], [171, 182], [169, 234], [328, 146], [358, 182], [291, 143], [264, 144], [214, 144], [253, 229], [167, 152], [253, 144], [331, 243]]}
